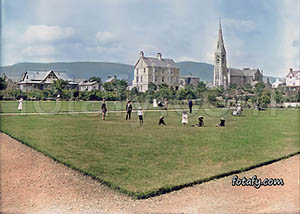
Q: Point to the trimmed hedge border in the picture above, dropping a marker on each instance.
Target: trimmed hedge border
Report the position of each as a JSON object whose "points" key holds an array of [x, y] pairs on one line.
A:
{"points": [[160, 191]]}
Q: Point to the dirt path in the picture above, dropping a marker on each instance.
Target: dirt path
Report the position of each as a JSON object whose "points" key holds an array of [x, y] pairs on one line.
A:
{"points": [[33, 183]]}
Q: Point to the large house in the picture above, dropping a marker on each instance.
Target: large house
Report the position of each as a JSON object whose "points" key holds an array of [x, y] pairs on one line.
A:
{"points": [[155, 70], [189, 80], [224, 77], [292, 79], [32, 80], [89, 86]]}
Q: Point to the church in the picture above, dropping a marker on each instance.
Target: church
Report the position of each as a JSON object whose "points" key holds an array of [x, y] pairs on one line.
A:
{"points": [[224, 76]]}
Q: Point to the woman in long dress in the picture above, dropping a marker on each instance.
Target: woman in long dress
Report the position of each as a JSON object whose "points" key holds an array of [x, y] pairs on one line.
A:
{"points": [[184, 118], [20, 106]]}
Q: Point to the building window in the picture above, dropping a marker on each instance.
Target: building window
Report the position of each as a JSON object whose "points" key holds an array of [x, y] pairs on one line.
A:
{"points": [[163, 79], [141, 87], [155, 78], [144, 70], [141, 79], [137, 79]]}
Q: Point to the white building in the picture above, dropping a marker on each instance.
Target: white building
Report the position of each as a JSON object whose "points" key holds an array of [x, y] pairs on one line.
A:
{"points": [[33, 80], [292, 79], [156, 70], [277, 84], [89, 86]]}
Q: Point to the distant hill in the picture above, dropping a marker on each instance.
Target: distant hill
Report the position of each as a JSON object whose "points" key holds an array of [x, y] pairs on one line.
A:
{"points": [[76, 70], [203, 70], [84, 70]]}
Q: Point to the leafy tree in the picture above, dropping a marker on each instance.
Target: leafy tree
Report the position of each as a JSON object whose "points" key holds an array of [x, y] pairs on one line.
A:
{"points": [[201, 86], [278, 96], [259, 87], [58, 86], [233, 86], [94, 78], [3, 83]]}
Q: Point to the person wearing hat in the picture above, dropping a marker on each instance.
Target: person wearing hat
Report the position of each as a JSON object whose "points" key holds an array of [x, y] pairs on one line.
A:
{"points": [[128, 110], [200, 122], [140, 114], [162, 121], [222, 123]]}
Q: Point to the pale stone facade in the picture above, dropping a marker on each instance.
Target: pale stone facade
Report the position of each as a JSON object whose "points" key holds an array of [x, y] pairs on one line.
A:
{"points": [[156, 70], [223, 76], [292, 79], [89, 86], [189, 80]]}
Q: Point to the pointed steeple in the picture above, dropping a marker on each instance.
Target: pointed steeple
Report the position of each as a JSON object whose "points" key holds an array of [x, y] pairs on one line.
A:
{"points": [[220, 44]]}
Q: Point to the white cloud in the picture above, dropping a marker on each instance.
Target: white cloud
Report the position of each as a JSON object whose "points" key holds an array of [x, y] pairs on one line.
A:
{"points": [[105, 37], [239, 25], [290, 17], [44, 33], [39, 51]]}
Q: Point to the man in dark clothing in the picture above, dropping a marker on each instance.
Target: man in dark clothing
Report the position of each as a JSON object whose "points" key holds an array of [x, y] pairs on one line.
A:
{"points": [[128, 110], [104, 109], [190, 106], [200, 123], [162, 121]]}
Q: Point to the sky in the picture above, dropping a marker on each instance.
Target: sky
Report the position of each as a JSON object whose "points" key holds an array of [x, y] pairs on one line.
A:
{"points": [[257, 34]]}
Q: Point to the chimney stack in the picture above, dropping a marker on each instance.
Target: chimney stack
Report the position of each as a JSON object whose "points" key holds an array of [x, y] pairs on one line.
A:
{"points": [[158, 55], [141, 54]]}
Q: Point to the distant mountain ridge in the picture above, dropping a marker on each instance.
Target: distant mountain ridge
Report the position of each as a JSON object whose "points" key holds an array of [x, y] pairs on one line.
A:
{"points": [[85, 70]]}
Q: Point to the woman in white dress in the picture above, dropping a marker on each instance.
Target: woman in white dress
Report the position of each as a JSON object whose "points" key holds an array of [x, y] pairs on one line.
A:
{"points": [[20, 106], [184, 118]]}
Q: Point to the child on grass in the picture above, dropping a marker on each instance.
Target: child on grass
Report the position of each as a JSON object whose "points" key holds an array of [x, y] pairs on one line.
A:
{"points": [[140, 114], [200, 122], [162, 121]]}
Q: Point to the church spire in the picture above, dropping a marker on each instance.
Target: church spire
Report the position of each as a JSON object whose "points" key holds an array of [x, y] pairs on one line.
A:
{"points": [[220, 44]]}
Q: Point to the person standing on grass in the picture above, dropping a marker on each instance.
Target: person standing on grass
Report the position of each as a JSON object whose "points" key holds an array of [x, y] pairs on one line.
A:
{"points": [[191, 106], [140, 114], [20, 105], [128, 110], [104, 109], [184, 118], [162, 121]]}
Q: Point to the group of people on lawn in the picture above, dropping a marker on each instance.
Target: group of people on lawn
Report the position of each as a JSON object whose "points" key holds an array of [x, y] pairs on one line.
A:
{"points": [[184, 118]]}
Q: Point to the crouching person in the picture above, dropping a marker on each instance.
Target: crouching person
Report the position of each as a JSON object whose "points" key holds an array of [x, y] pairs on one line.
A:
{"points": [[200, 122], [222, 123], [162, 121]]}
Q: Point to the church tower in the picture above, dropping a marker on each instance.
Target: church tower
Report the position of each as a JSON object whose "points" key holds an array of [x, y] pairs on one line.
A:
{"points": [[220, 68]]}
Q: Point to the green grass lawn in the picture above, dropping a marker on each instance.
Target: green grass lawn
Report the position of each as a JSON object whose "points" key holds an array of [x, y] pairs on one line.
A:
{"points": [[141, 160], [68, 106]]}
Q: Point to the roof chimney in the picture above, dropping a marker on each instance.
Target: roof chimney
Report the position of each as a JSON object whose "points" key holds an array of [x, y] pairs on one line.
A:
{"points": [[141, 54], [291, 69], [158, 55]]}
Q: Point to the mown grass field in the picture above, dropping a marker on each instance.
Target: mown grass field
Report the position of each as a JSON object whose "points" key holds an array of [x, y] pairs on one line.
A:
{"points": [[141, 160], [74, 106]]}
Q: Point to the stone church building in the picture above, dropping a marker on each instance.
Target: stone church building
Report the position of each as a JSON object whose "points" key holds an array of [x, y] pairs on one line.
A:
{"points": [[224, 76], [156, 70]]}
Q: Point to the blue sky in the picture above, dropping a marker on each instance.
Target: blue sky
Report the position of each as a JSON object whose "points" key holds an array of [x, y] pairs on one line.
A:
{"points": [[257, 33]]}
